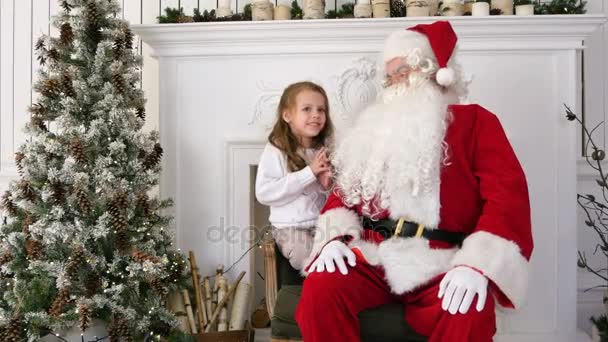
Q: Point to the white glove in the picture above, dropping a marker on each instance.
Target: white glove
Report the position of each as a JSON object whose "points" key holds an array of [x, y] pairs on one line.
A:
{"points": [[333, 253], [459, 287]]}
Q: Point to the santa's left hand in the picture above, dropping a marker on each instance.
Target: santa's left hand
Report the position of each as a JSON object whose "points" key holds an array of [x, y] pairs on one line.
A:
{"points": [[459, 287]]}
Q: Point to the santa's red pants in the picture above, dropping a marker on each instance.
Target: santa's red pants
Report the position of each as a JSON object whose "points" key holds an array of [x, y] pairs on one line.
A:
{"points": [[330, 303]]}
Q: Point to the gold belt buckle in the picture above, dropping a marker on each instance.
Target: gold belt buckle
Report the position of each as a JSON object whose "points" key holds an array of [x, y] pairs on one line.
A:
{"points": [[399, 227]]}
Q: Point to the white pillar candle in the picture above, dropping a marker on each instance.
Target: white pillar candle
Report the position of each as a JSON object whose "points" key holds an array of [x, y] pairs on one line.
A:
{"points": [[364, 2], [223, 3], [417, 11], [524, 9], [282, 12], [381, 8], [261, 10], [480, 9], [363, 10], [313, 9]]}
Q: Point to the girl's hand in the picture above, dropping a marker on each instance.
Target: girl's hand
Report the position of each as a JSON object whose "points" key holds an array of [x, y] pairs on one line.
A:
{"points": [[325, 179], [320, 163]]}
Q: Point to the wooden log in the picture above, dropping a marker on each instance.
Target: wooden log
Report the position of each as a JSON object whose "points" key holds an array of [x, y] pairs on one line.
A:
{"points": [[197, 289], [188, 306], [222, 291], [175, 304], [270, 275], [238, 316], [208, 299], [216, 313]]}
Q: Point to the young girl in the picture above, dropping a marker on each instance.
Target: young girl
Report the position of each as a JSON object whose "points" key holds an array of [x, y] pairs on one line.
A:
{"points": [[294, 172]]}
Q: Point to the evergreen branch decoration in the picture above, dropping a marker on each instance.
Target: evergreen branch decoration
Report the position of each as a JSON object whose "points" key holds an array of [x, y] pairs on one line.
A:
{"points": [[296, 10], [561, 7], [84, 238], [346, 11]]}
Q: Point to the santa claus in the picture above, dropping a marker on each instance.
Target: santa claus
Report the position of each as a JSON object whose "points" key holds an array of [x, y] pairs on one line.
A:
{"points": [[430, 207]]}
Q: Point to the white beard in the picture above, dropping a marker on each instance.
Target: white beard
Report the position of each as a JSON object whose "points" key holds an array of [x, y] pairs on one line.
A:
{"points": [[392, 156]]}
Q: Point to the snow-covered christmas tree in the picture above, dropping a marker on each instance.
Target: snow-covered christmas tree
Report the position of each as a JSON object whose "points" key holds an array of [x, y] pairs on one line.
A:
{"points": [[84, 238]]}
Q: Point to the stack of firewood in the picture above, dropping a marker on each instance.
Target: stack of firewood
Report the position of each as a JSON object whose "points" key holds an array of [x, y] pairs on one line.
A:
{"points": [[218, 305]]}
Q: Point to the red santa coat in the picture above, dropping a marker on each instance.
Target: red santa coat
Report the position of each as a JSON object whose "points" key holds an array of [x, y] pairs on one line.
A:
{"points": [[483, 193]]}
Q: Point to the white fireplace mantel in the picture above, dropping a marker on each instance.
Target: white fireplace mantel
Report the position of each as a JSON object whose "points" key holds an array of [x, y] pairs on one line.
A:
{"points": [[220, 84], [361, 35]]}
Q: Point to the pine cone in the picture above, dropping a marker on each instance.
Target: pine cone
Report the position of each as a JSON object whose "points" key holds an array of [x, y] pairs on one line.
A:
{"points": [[25, 226], [92, 14], [143, 203], [141, 256], [141, 113], [157, 285], [66, 85], [60, 301], [27, 190], [85, 316], [13, 331], [92, 284], [185, 19], [8, 204], [397, 8], [77, 151], [37, 109], [153, 158], [128, 37], [58, 193], [6, 258], [33, 248], [121, 200], [37, 121], [122, 240], [83, 200], [118, 46], [66, 35], [19, 156], [119, 83], [76, 259], [50, 87], [119, 327]]}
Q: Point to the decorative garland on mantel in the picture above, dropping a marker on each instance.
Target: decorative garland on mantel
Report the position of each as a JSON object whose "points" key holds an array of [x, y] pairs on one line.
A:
{"points": [[398, 8]]}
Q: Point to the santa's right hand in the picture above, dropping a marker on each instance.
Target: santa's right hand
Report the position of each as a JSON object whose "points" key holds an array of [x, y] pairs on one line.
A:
{"points": [[333, 255]]}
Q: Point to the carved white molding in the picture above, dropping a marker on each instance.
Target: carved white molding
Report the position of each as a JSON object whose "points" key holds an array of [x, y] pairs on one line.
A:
{"points": [[265, 108], [550, 32], [356, 87], [348, 92]]}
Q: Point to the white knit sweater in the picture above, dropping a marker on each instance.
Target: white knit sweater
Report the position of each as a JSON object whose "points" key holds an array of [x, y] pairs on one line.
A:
{"points": [[295, 198]]}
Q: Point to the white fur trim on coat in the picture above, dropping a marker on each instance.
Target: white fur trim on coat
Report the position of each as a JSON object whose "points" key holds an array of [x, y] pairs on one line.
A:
{"points": [[500, 260], [411, 263], [330, 225]]}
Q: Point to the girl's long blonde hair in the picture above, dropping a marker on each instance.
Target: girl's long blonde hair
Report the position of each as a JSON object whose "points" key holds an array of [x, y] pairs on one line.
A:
{"points": [[282, 137]]}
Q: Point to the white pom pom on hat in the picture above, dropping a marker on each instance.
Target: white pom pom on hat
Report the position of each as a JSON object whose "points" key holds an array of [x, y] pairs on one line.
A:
{"points": [[445, 76], [442, 40]]}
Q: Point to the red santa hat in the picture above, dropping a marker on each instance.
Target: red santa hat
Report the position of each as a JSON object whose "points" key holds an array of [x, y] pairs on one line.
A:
{"points": [[436, 40]]}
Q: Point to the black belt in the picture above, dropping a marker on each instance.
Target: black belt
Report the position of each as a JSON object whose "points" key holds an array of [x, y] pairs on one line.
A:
{"points": [[387, 228]]}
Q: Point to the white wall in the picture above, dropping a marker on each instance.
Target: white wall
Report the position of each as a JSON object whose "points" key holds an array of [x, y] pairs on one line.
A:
{"points": [[22, 21]]}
